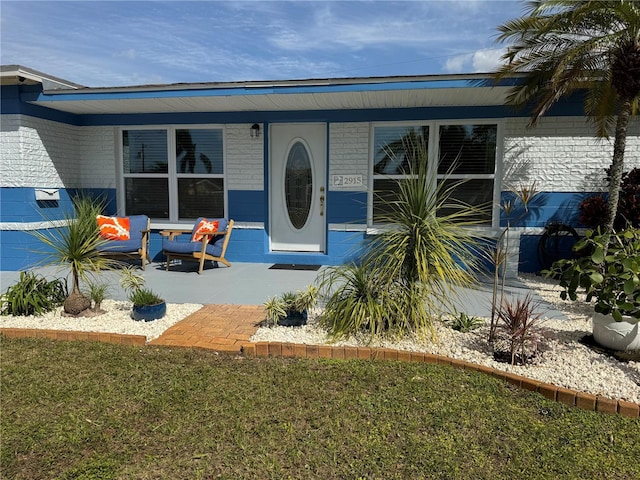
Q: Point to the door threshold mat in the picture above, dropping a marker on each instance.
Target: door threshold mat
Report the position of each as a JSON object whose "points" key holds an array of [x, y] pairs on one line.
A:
{"points": [[295, 266]]}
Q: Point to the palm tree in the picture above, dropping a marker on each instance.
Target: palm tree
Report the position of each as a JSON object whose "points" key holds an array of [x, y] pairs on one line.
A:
{"points": [[568, 46], [74, 244]]}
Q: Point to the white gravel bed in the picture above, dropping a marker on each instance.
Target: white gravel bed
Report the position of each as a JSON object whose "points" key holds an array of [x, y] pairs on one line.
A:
{"points": [[562, 360], [116, 319]]}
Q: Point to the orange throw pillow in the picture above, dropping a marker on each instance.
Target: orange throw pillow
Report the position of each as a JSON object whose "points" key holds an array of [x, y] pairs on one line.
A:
{"points": [[114, 228], [205, 227]]}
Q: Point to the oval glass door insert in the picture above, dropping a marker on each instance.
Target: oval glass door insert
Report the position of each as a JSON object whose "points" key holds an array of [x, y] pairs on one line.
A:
{"points": [[298, 185]]}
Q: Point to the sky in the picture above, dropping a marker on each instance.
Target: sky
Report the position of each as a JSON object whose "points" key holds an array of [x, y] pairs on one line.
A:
{"points": [[124, 43]]}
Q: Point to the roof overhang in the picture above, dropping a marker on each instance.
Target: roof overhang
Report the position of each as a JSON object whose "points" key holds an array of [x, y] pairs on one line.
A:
{"points": [[19, 75], [330, 94]]}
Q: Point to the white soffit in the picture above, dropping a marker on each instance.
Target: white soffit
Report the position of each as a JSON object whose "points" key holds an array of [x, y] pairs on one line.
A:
{"points": [[409, 98]]}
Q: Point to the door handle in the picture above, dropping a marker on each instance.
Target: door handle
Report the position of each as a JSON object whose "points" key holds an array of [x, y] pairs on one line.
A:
{"points": [[321, 201]]}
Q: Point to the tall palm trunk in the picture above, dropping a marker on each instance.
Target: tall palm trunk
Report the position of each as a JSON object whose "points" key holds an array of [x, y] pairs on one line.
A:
{"points": [[617, 164]]}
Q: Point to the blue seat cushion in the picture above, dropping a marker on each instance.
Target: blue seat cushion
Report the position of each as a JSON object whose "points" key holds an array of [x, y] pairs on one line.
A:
{"points": [[174, 246], [120, 246]]}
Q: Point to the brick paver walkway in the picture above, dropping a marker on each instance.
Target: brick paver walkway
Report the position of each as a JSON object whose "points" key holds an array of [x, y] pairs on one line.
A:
{"points": [[224, 328]]}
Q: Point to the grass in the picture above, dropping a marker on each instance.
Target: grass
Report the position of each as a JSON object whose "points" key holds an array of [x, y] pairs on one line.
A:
{"points": [[82, 410]]}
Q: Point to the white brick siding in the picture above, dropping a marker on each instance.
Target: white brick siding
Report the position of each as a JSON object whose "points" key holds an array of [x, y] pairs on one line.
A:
{"points": [[561, 154], [349, 152], [42, 153], [38, 153], [245, 158], [97, 156]]}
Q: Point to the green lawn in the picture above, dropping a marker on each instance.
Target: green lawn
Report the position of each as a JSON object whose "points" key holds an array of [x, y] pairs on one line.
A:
{"points": [[81, 410]]}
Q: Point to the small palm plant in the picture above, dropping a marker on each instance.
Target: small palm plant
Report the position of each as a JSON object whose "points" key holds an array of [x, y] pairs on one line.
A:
{"points": [[134, 283], [75, 244]]}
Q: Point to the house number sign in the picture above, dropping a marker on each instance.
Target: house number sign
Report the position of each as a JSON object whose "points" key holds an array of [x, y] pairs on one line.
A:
{"points": [[347, 181]]}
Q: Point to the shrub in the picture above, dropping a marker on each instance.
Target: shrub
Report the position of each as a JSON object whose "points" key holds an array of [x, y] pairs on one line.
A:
{"points": [[520, 322], [594, 210], [464, 322], [290, 303], [144, 297], [33, 295], [404, 279], [134, 283], [97, 292], [613, 280]]}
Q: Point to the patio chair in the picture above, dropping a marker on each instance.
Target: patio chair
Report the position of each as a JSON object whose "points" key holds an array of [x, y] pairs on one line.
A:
{"points": [[127, 237], [208, 241]]}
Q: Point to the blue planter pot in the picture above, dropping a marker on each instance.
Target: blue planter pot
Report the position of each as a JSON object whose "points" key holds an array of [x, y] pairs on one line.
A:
{"points": [[147, 313]]}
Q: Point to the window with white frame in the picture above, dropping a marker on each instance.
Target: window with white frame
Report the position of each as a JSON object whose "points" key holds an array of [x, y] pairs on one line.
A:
{"points": [[173, 173], [455, 152]]}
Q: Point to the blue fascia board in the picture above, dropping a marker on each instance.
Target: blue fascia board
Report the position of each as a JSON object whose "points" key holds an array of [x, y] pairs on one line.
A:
{"points": [[15, 100]]}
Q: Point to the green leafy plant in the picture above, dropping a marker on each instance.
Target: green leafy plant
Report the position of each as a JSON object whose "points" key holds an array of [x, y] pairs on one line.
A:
{"points": [[290, 304], [520, 322], [405, 277], [33, 295], [359, 301], [611, 278], [464, 322], [144, 297], [74, 244], [134, 283], [97, 292]]}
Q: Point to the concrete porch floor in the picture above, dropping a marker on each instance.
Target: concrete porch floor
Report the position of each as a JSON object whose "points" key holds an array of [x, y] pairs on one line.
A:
{"points": [[247, 284], [233, 298]]}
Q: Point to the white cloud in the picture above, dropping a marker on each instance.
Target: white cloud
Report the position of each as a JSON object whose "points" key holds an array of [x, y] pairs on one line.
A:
{"points": [[458, 63], [129, 54], [487, 60], [480, 61]]}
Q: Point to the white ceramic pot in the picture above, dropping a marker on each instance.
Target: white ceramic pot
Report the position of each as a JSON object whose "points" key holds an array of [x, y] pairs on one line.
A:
{"points": [[624, 335]]}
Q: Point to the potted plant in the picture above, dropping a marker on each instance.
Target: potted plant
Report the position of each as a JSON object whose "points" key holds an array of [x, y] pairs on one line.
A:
{"points": [[611, 276], [291, 309], [147, 305]]}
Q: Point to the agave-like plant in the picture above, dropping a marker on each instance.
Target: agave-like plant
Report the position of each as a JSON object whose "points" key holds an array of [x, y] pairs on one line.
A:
{"points": [[405, 278], [74, 244]]}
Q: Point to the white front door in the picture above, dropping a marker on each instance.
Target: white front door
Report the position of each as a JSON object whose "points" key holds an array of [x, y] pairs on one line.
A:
{"points": [[297, 164]]}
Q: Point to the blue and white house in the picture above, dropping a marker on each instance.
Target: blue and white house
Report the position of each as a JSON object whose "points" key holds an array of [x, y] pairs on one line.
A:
{"points": [[293, 162]]}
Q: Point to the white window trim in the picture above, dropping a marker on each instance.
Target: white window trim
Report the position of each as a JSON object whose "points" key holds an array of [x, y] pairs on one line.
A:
{"points": [[172, 174], [432, 152]]}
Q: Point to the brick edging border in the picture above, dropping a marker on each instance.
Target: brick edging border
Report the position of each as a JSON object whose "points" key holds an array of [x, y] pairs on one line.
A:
{"points": [[585, 401], [71, 335], [573, 398]]}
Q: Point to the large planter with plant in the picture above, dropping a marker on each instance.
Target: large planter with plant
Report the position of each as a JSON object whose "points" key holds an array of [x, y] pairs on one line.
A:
{"points": [[622, 335], [291, 309], [147, 306], [611, 277]]}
